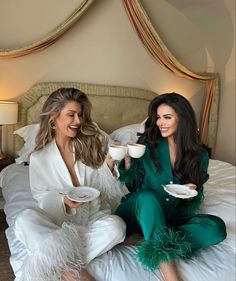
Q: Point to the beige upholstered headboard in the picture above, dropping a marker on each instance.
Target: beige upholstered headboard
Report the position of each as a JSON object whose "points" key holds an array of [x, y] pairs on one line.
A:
{"points": [[112, 106]]}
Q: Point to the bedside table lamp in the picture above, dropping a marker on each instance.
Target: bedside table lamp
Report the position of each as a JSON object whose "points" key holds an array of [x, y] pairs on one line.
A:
{"points": [[8, 115]]}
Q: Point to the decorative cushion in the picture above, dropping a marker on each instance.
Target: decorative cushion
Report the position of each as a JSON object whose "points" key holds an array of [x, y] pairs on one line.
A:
{"points": [[28, 133], [128, 133]]}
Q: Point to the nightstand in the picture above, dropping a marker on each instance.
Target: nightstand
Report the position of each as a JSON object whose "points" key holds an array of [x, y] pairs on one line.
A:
{"points": [[4, 162]]}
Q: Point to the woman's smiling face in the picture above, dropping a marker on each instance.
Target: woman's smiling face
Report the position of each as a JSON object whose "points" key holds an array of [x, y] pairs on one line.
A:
{"points": [[69, 120], [167, 120]]}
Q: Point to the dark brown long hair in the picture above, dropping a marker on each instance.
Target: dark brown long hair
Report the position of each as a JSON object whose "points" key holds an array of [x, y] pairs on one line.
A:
{"points": [[188, 149]]}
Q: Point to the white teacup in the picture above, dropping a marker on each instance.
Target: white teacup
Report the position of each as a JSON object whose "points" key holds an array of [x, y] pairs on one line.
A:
{"points": [[117, 152], [136, 150]]}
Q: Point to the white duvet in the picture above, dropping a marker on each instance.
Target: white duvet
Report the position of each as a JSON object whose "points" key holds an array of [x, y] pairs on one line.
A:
{"points": [[212, 264]]}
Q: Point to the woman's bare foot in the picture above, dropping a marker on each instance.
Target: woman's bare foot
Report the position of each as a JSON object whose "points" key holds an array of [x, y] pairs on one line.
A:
{"points": [[169, 271], [72, 276], [85, 276], [134, 239]]}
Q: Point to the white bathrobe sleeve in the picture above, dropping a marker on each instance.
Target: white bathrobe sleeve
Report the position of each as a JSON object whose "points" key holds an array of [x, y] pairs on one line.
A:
{"points": [[49, 177], [109, 186]]}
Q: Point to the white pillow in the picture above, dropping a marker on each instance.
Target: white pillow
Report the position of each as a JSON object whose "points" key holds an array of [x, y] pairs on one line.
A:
{"points": [[128, 133], [28, 133]]}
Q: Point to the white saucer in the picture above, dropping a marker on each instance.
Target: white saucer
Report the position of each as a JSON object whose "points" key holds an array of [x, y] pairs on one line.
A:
{"points": [[83, 194], [180, 191]]}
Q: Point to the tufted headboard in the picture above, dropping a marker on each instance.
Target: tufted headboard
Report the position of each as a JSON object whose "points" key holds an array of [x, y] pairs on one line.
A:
{"points": [[112, 106]]}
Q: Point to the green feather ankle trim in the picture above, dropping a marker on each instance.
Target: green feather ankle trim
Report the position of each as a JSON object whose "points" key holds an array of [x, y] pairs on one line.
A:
{"points": [[168, 246]]}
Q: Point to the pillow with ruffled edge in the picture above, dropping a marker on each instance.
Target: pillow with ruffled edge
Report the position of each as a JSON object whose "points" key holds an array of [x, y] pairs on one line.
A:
{"points": [[28, 133], [127, 134]]}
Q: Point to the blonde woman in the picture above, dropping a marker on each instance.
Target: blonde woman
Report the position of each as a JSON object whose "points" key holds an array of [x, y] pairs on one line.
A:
{"points": [[62, 236]]}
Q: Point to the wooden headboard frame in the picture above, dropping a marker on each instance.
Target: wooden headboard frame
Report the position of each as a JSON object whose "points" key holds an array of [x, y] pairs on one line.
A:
{"points": [[112, 106]]}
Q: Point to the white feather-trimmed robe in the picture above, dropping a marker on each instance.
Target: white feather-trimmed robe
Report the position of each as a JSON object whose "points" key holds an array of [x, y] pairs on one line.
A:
{"points": [[58, 240], [49, 177]]}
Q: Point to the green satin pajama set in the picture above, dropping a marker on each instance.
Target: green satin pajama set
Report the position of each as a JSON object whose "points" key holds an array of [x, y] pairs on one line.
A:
{"points": [[170, 226]]}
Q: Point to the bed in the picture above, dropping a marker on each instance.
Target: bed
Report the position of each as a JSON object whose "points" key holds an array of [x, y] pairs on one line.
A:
{"points": [[119, 112]]}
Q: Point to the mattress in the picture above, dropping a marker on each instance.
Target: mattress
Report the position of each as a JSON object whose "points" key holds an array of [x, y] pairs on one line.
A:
{"points": [[120, 263]]}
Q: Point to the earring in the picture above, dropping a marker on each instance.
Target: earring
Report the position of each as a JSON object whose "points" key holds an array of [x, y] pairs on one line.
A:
{"points": [[52, 125]]}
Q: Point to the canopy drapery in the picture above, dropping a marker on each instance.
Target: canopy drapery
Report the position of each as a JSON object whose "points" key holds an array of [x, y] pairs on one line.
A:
{"points": [[158, 50], [51, 37]]}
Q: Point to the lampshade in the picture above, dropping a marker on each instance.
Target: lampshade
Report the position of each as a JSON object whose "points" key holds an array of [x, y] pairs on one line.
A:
{"points": [[8, 112]]}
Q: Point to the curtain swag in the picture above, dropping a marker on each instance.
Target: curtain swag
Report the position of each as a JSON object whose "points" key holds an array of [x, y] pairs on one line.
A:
{"points": [[158, 51], [161, 54], [51, 37]]}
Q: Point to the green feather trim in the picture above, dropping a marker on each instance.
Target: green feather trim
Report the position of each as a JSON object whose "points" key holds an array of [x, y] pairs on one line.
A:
{"points": [[167, 246], [132, 177]]}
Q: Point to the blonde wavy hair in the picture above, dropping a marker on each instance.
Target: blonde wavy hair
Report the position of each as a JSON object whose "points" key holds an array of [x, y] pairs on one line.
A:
{"points": [[88, 143]]}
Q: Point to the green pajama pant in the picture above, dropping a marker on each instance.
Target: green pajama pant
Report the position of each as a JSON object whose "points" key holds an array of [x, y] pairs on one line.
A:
{"points": [[167, 235]]}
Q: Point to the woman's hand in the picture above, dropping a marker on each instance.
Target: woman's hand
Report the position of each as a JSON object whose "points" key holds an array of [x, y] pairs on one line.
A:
{"points": [[110, 162], [71, 204], [191, 185], [127, 162]]}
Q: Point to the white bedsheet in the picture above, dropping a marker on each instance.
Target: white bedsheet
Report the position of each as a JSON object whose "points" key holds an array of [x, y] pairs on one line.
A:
{"points": [[212, 264]]}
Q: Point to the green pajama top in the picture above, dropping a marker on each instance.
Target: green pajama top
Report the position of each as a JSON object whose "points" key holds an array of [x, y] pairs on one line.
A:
{"points": [[136, 179], [169, 225]]}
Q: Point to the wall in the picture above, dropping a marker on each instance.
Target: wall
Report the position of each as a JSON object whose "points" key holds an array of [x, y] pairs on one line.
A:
{"points": [[103, 48]]}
